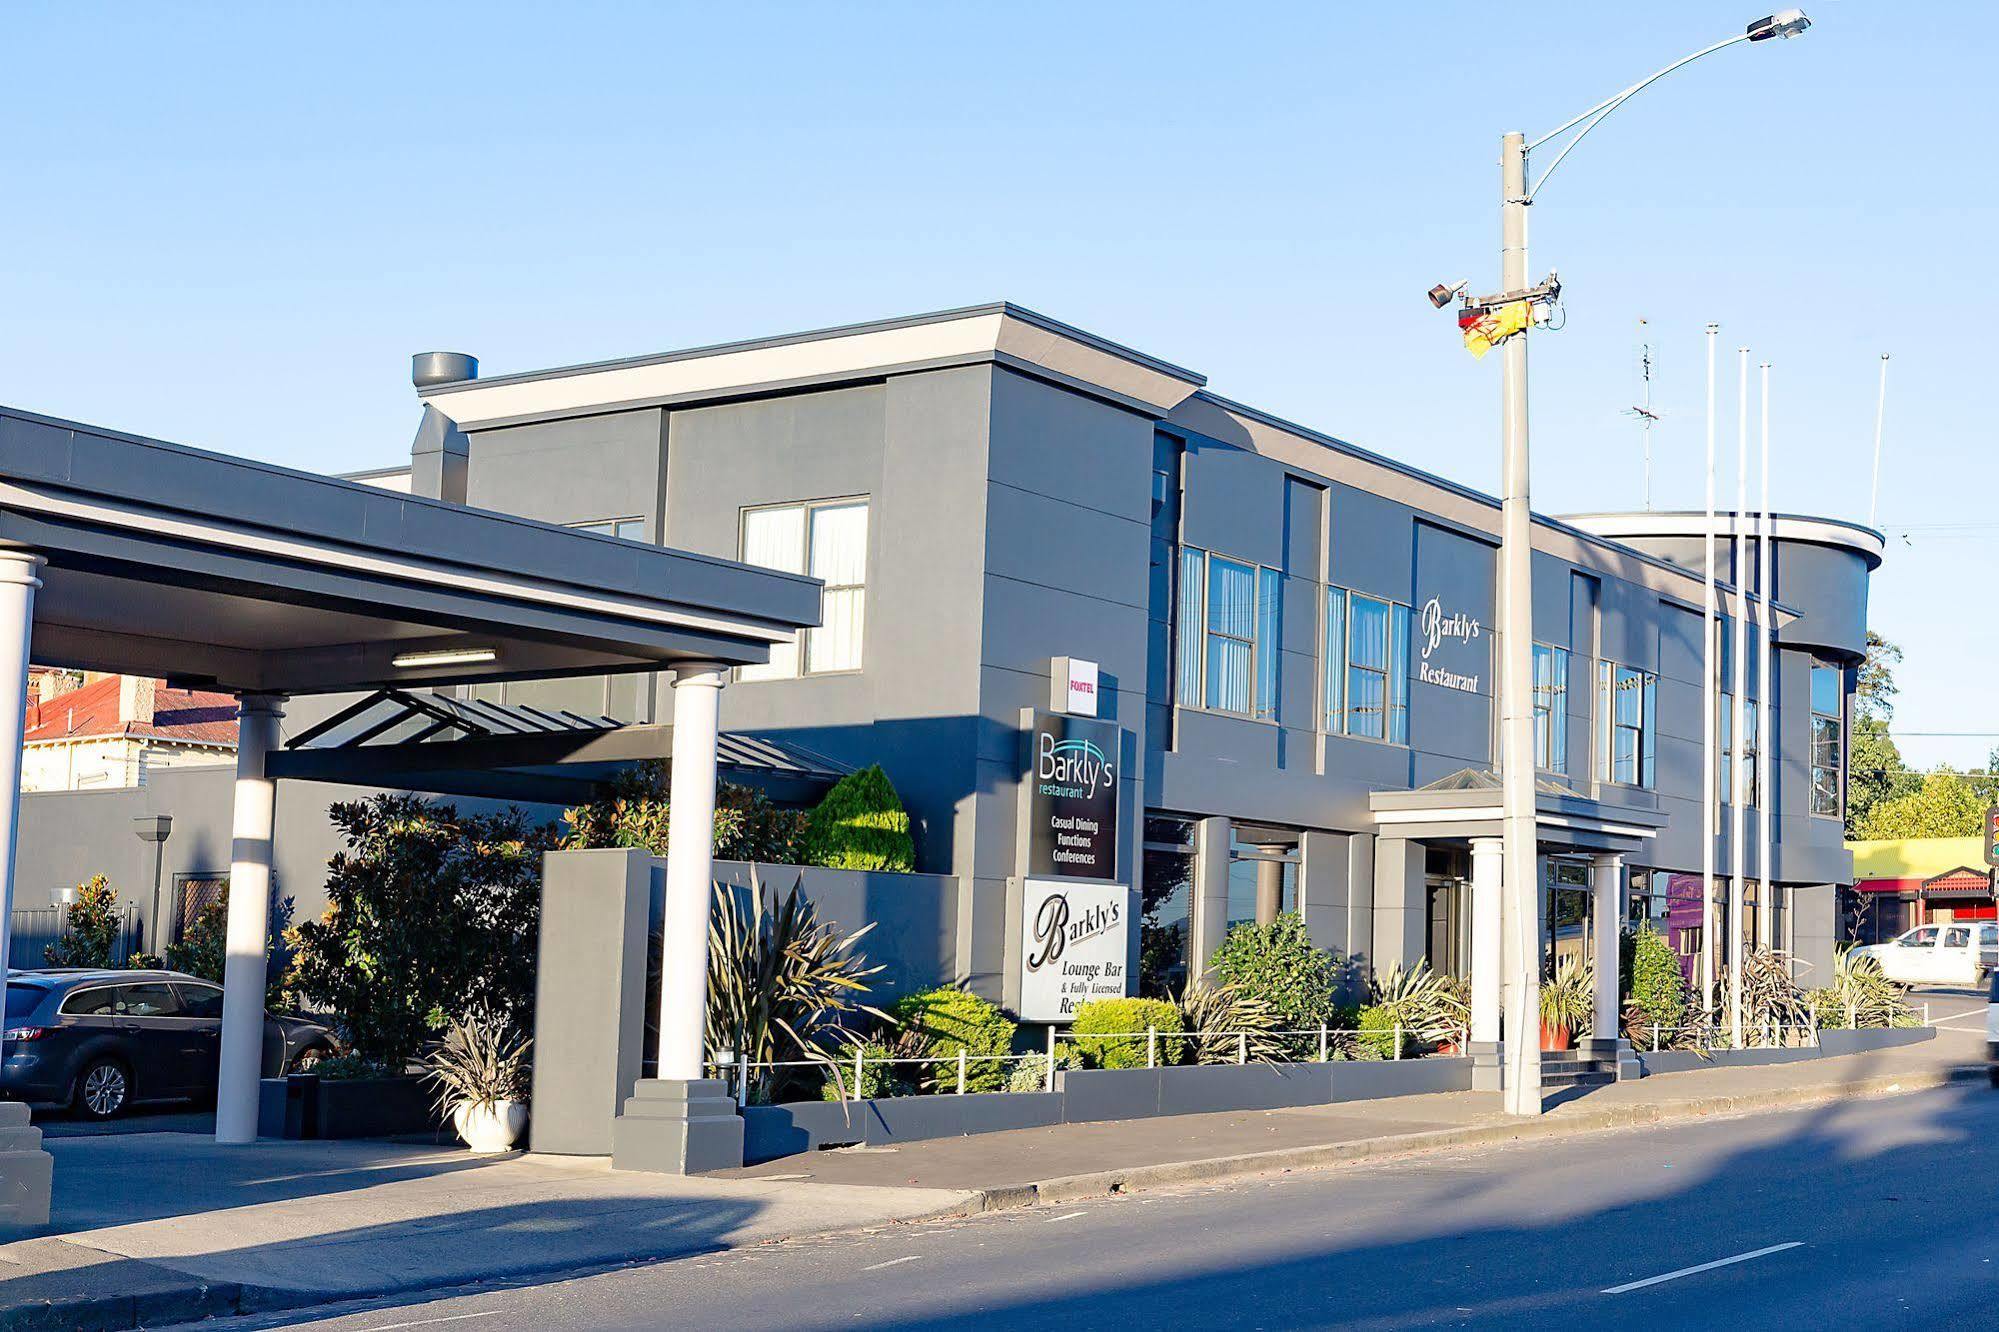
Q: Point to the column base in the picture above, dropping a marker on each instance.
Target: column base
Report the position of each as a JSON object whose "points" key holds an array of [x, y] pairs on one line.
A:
{"points": [[26, 1174], [1616, 1056], [678, 1127], [1488, 1064]]}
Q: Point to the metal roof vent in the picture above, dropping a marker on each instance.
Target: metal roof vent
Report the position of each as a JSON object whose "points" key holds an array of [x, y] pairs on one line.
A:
{"points": [[429, 369]]}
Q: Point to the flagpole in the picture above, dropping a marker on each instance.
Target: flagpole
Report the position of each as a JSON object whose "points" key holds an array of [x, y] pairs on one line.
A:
{"points": [[1766, 639], [1880, 415], [1710, 693], [1738, 810]]}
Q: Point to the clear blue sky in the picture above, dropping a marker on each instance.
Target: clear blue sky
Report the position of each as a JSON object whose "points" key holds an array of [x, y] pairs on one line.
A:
{"points": [[230, 227]]}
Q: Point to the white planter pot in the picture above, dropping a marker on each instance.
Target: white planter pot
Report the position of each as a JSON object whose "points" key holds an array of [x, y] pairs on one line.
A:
{"points": [[489, 1126]]}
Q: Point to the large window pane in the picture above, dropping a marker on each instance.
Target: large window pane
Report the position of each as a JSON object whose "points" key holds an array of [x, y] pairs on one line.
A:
{"points": [[1551, 708], [840, 544], [1191, 616], [1335, 665], [1367, 703], [836, 644], [775, 538], [1398, 673], [1269, 595], [1231, 598]]}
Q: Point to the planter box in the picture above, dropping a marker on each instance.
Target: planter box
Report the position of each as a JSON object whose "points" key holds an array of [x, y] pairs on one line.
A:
{"points": [[1831, 1044], [772, 1131], [304, 1106], [1873, 1038]]}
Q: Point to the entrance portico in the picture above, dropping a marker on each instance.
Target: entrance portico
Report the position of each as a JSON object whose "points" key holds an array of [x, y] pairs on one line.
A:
{"points": [[129, 555], [1463, 809]]}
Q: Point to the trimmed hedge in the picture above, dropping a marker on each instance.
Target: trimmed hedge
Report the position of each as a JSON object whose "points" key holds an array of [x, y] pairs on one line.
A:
{"points": [[1377, 1034], [949, 1020], [861, 825], [1127, 1015]]}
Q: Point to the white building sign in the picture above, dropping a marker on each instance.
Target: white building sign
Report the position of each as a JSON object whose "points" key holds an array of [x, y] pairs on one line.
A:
{"points": [[1445, 634], [1073, 939], [1075, 682]]}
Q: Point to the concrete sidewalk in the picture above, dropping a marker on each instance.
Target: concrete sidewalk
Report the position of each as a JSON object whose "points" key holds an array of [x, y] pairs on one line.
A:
{"points": [[155, 1228]]}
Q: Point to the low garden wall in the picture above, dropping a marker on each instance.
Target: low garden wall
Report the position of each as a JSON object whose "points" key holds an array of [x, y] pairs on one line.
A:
{"points": [[1831, 1043], [1087, 1095], [305, 1106]]}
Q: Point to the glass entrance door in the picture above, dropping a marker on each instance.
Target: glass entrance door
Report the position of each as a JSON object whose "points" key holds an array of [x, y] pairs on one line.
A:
{"points": [[1567, 913]]}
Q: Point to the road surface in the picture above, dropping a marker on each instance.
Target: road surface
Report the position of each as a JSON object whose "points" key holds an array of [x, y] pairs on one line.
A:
{"points": [[1876, 1214]]}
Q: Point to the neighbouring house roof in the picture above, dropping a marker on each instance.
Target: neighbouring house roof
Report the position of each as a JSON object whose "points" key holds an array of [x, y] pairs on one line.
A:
{"points": [[181, 716], [1963, 879], [1916, 858]]}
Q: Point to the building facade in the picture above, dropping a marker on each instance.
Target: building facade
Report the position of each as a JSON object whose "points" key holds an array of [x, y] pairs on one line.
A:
{"points": [[114, 731], [1292, 637]]}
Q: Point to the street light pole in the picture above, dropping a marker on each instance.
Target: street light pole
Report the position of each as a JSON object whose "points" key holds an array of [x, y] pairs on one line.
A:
{"points": [[1521, 886]]}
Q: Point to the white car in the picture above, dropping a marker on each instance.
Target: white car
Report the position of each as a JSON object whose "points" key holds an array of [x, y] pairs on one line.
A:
{"points": [[1949, 954]]}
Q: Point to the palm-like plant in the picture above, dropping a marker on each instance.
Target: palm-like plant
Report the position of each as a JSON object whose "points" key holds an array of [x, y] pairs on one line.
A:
{"points": [[1860, 995], [1222, 1017], [1771, 1000], [782, 987], [1428, 1007], [481, 1059], [1568, 998]]}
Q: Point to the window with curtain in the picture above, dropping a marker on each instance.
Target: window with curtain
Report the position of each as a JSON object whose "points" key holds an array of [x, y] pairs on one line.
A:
{"points": [[625, 529], [1738, 769], [1828, 737], [1226, 622], [1551, 708], [1366, 667], [1627, 707], [827, 541]]}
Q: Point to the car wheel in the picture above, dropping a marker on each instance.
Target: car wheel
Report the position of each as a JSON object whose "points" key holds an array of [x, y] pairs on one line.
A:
{"points": [[103, 1089], [308, 1059]]}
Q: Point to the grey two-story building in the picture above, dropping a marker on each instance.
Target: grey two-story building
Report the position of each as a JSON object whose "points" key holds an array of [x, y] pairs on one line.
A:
{"points": [[1293, 637]]}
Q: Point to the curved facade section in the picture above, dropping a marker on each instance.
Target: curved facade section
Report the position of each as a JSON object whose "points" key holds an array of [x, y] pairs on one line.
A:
{"points": [[1819, 568]]}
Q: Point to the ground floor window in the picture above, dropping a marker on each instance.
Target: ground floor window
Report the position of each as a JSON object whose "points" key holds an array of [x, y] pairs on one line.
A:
{"points": [[1166, 895], [1567, 914]]}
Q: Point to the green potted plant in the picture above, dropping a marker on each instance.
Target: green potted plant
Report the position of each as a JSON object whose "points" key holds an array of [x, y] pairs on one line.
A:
{"points": [[481, 1070], [1568, 1003]]}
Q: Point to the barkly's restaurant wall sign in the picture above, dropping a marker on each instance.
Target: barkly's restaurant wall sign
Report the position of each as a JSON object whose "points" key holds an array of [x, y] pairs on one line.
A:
{"points": [[1072, 804], [1074, 937], [1445, 635]]}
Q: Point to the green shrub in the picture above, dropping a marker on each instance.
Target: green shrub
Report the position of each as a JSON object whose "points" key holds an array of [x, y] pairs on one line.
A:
{"points": [[145, 962], [1658, 987], [1030, 1074], [949, 1020], [1377, 1034], [878, 1076], [634, 814], [861, 825], [1279, 965], [203, 948], [1127, 1015], [350, 1068], [90, 927]]}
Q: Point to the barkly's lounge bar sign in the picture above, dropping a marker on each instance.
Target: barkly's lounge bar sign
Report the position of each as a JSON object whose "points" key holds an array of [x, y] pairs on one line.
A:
{"points": [[1446, 635], [1072, 803], [1074, 938]]}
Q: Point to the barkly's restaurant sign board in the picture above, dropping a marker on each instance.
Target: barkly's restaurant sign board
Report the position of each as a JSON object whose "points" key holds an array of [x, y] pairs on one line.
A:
{"points": [[1074, 938], [1072, 802]]}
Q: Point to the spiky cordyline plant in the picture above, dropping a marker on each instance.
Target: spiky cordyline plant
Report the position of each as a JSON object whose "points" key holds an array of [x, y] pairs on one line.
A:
{"points": [[481, 1059], [1215, 1013], [782, 986], [1427, 1006], [1568, 998], [1860, 995], [1771, 1000]]}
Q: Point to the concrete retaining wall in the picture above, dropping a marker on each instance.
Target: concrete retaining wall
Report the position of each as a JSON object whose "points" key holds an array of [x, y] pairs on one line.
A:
{"points": [[1083, 1096], [1831, 1043]]}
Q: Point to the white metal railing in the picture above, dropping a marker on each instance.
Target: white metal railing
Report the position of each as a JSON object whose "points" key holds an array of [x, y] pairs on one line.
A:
{"points": [[741, 1066], [1715, 1036]]}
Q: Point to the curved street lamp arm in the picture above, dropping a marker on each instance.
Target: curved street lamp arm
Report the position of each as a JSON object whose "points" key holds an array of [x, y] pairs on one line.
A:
{"points": [[1596, 113]]}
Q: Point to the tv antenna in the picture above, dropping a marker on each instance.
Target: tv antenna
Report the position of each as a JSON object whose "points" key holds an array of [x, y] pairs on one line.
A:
{"points": [[1644, 411]]}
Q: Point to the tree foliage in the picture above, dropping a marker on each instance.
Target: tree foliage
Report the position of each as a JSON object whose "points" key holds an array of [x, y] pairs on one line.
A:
{"points": [[1658, 986], [1875, 768], [90, 927], [1946, 803], [635, 814], [861, 825], [431, 915], [203, 948], [1279, 964]]}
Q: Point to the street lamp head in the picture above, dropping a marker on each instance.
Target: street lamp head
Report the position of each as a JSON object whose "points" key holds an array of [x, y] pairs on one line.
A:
{"points": [[1440, 295], [1784, 23]]}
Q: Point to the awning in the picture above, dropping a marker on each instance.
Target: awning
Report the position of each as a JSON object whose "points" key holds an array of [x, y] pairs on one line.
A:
{"points": [[423, 741], [1467, 803]]}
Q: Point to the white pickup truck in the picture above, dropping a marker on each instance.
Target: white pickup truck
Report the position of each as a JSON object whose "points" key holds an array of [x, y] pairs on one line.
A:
{"points": [[1945, 954]]}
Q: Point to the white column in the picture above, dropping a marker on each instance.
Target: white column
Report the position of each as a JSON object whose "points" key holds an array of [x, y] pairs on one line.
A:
{"points": [[243, 976], [1487, 862], [690, 867], [1606, 911], [18, 582]]}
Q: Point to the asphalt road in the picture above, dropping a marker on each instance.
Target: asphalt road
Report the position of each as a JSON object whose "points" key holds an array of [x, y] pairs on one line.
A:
{"points": [[1876, 1214]]}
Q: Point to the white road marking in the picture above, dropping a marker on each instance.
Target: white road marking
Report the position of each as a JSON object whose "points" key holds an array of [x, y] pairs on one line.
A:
{"points": [[890, 1263], [432, 1322], [1703, 1267], [1067, 1216]]}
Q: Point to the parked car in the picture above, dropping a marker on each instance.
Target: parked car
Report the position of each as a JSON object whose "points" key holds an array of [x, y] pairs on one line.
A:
{"points": [[1947, 954], [99, 1041]]}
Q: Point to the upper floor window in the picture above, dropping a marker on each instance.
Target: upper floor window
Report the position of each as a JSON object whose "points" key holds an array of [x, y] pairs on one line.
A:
{"points": [[1738, 763], [1627, 701], [1227, 625], [1551, 708], [827, 540], [625, 529], [1366, 665], [1828, 738]]}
